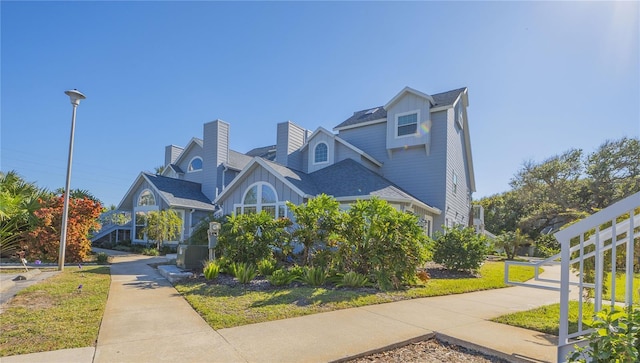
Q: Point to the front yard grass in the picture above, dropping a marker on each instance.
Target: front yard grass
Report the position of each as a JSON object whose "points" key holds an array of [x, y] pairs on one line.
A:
{"points": [[55, 314], [225, 307], [546, 319]]}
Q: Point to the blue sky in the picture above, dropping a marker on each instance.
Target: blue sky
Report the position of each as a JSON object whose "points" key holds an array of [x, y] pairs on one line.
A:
{"points": [[543, 77]]}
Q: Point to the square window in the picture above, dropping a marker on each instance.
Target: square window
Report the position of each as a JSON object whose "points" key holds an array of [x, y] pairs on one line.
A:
{"points": [[407, 124]]}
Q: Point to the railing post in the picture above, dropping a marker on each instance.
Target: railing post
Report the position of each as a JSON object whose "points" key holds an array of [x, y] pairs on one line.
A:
{"points": [[565, 258], [628, 299]]}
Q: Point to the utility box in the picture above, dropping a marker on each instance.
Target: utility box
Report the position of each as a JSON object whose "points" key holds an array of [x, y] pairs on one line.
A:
{"points": [[191, 256]]}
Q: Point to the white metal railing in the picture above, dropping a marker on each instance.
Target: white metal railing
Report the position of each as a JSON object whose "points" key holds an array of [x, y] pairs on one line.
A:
{"points": [[589, 241], [115, 217]]}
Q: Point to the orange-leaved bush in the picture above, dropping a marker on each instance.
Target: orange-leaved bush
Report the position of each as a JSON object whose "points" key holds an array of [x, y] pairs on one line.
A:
{"points": [[43, 241]]}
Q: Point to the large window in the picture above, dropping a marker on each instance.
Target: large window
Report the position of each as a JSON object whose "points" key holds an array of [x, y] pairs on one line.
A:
{"points": [[146, 198], [195, 164], [321, 153], [146, 204], [407, 123], [261, 197]]}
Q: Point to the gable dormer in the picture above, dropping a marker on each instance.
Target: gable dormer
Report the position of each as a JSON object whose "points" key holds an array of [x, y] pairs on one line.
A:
{"points": [[409, 120], [320, 150]]}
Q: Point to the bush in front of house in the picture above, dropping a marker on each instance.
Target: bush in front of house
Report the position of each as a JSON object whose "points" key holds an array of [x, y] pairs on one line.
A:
{"points": [[249, 238], [460, 249], [381, 242]]}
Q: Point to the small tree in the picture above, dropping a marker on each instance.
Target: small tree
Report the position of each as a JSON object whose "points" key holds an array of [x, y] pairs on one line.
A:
{"points": [[316, 221], [510, 242], [162, 226], [250, 238], [381, 241], [460, 249], [43, 241]]}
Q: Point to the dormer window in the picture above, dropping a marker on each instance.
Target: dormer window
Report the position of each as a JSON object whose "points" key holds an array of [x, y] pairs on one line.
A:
{"points": [[321, 153], [407, 123], [195, 164]]}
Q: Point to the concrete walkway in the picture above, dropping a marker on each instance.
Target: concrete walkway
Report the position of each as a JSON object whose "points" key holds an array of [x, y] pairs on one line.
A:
{"points": [[146, 320]]}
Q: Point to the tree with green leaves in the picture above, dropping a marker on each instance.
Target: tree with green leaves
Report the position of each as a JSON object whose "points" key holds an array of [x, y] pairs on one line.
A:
{"points": [[316, 221], [460, 249], [164, 225], [613, 171], [510, 241], [250, 238], [18, 202], [381, 242], [550, 191]]}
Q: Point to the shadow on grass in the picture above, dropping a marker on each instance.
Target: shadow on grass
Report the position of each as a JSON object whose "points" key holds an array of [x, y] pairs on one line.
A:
{"points": [[101, 270]]}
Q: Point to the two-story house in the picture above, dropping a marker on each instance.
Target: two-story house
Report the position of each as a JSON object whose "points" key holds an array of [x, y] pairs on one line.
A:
{"points": [[414, 152]]}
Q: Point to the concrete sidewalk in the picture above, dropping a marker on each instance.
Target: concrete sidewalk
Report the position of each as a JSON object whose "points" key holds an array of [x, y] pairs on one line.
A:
{"points": [[146, 320]]}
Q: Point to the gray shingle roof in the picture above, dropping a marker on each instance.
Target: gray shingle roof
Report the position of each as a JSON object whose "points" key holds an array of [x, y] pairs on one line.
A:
{"points": [[300, 180], [349, 178], [238, 160], [441, 99], [447, 98], [363, 116], [265, 152], [179, 192]]}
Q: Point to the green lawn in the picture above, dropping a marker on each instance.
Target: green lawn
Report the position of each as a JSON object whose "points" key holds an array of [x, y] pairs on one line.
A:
{"points": [[55, 314], [225, 307], [621, 287], [546, 319]]}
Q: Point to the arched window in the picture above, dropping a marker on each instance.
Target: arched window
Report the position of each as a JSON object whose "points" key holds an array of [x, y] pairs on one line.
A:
{"points": [[195, 164], [259, 197], [321, 153], [146, 198]]}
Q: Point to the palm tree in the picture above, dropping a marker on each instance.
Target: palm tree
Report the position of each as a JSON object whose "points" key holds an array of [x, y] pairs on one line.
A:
{"points": [[18, 200]]}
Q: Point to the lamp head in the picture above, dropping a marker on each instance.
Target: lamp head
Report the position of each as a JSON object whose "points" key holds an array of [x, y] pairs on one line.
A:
{"points": [[75, 96]]}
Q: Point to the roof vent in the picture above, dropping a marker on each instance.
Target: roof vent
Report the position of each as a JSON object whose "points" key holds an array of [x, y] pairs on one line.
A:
{"points": [[371, 111]]}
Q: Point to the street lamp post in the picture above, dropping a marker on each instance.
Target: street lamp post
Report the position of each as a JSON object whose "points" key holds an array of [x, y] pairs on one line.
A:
{"points": [[75, 97]]}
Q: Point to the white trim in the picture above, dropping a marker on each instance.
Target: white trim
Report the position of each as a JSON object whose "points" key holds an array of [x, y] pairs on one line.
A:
{"points": [[408, 201], [315, 150], [254, 163], [259, 206], [342, 141], [185, 151], [398, 115], [400, 94], [191, 161], [155, 203], [361, 124]]}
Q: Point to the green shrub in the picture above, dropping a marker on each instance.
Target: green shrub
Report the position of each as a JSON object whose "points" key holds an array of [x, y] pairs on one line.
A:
{"points": [[211, 270], [460, 249], [297, 271], [150, 251], [316, 223], [380, 241], [510, 242], [281, 278], [547, 245], [616, 338], [102, 258], [353, 279], [314, 276], [226, 265], [249, 238], [244, 272], [266, 267]]}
